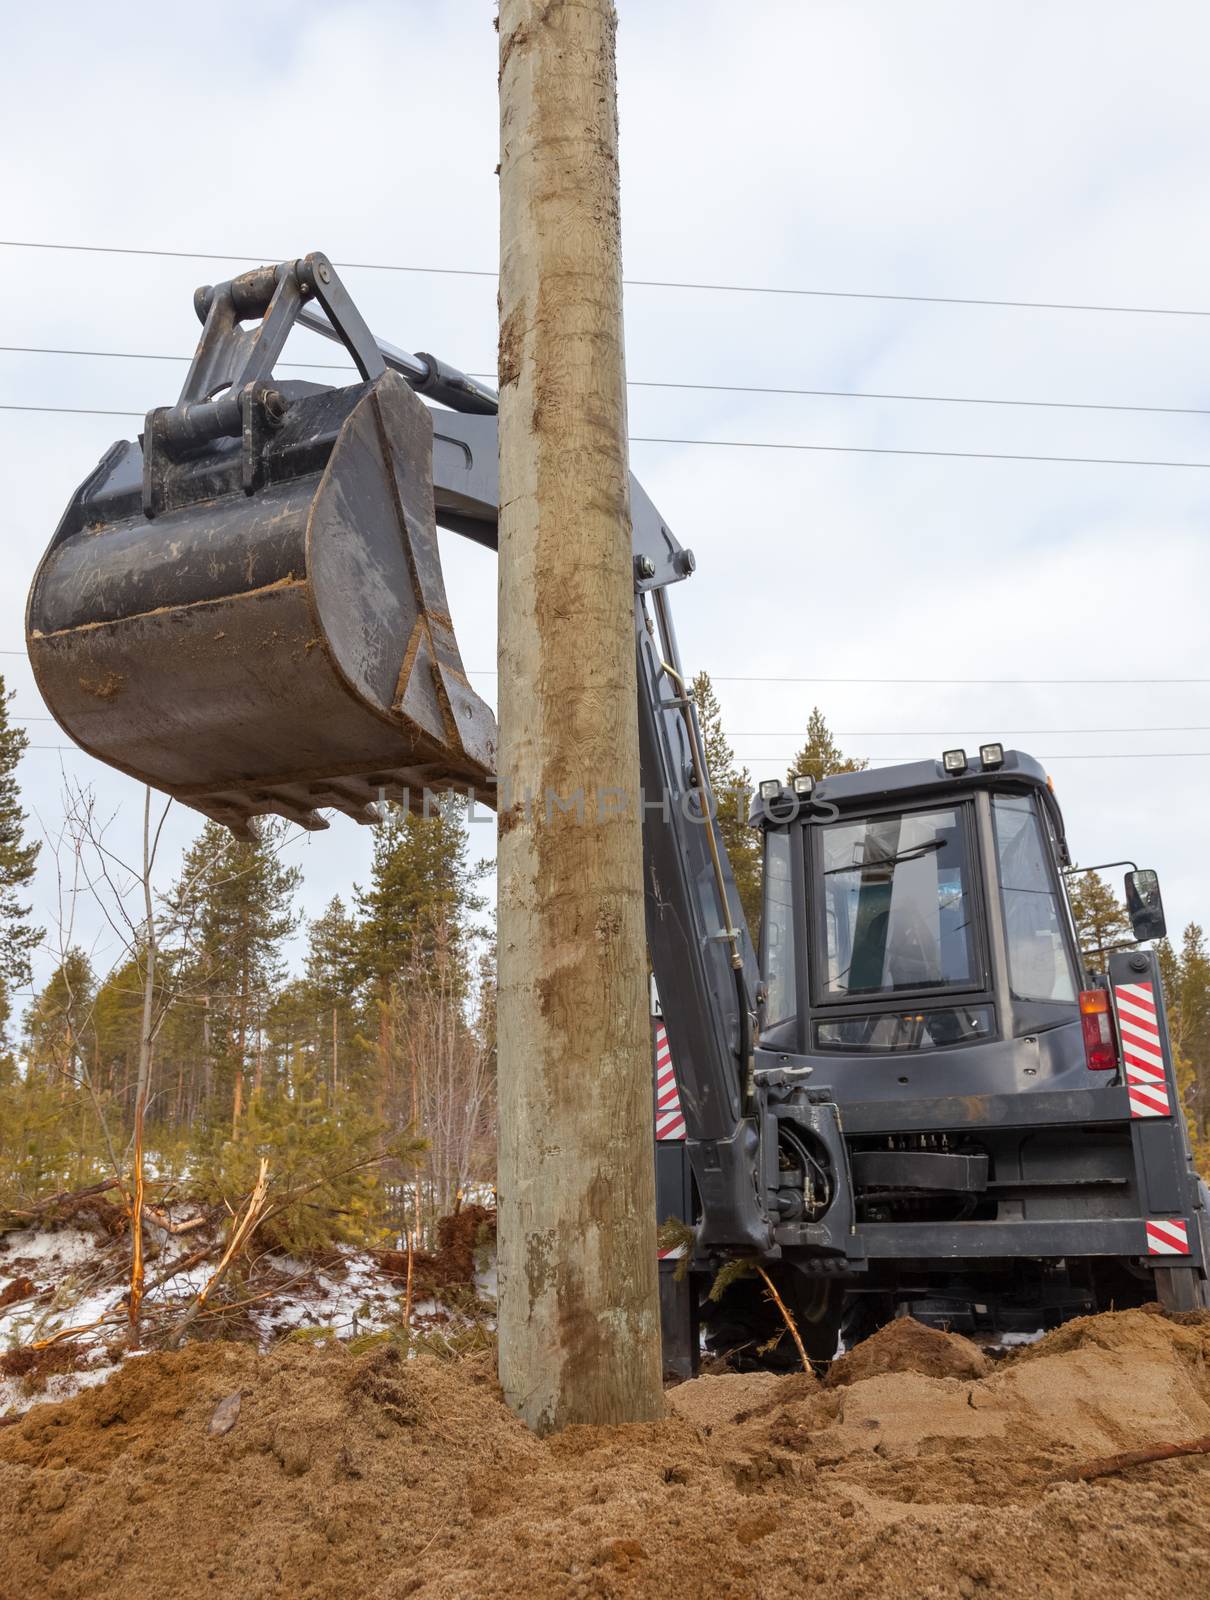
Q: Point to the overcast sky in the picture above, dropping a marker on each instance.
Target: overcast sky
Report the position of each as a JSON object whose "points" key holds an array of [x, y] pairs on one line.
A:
{"points": [[1052, 152]]}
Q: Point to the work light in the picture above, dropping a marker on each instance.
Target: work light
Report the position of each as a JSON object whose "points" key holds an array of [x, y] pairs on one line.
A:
{"points": [[954, 760]]}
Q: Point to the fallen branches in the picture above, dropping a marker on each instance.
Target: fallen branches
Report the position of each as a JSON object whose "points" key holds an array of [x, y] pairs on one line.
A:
{"points": [[154, 1215], [181, 1264], [242, 1230], [70, 1333], [786, 1318], [1105, 1466], [57, 1207]]}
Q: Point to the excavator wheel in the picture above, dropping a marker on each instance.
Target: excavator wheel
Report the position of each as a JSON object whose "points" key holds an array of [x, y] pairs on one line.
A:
{"points": [[746, 1328], [863, 1315]]}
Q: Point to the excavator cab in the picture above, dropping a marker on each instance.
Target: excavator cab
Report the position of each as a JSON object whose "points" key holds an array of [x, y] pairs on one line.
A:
{"points": [[245, 608], [935, 913], [920, 958]]}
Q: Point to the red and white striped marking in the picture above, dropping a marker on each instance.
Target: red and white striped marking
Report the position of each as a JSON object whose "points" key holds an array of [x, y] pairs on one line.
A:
{"points": [[675, 1254], [669, 1119], [1142, 1050], [1167, 1238]]}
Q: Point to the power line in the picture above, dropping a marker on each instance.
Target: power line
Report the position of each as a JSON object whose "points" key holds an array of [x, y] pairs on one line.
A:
{"points": [[960, 682], [870, 733], [215, 255], [1105, 755], [77, 411], [148, 355], [767, 444], [887, 450], [885, 733], [930, 399], [668, 383], [631, 283], [942, 733], [854, 733], [491, 672]]}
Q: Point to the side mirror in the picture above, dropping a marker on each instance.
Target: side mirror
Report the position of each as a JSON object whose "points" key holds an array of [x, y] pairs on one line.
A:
{"points": [[1144, 904]]}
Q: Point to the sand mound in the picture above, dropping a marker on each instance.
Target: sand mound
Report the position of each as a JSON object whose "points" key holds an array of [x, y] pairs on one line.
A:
{"points": [[376, 1477], [1124, 1332], [730, 1397], [906, 1345]]}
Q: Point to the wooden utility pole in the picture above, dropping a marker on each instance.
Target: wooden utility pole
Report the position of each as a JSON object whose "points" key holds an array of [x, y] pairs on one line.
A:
{"points": [[579, 1313]]}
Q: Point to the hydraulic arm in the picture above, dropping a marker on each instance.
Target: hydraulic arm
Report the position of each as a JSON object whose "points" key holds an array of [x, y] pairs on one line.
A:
{"points": [[246, 609]]}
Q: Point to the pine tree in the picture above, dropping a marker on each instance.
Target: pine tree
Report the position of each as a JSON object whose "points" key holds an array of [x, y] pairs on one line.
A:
{"points": [[332, 965], [1191, 1093], [59, 1023], [331, 991], [1102, 921], [18, 937], [117, 1024], [1170, 979], [49, 1136], [821, 757], [1185, 979], [732, 786], [415, 931], [1193, 1019], [322, 1012], [324, 1181], [485, 1004], [421, 893], [236, 898]]}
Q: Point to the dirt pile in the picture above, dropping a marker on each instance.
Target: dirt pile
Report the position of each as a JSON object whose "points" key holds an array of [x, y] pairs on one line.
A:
{"points": [[908, 1346], [380, 1477], [17, 1289]]}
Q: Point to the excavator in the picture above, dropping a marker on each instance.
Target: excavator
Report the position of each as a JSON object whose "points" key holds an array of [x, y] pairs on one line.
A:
{"points": [[912, 1099]]}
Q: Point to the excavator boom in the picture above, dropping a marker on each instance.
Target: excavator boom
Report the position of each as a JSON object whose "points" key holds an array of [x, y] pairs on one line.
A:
{"points": [[245, 609]]}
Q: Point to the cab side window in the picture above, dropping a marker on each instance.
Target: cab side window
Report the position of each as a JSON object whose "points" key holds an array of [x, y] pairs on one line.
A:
{"points": [[777, 927], [1039, 966]]}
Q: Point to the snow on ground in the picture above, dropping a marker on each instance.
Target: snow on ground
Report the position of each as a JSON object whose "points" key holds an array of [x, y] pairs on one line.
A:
{"points": [[79, 1280], [65, 1270], [350, 1298], [64, 1247], [16, 1398]]}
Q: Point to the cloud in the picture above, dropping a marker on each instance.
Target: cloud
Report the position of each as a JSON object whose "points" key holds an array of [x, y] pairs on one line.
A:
{"points": [[1042, 152]]}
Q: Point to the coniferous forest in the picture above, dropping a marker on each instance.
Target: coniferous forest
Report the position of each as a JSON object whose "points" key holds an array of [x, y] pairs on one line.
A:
{"points": [[364, 1075]]}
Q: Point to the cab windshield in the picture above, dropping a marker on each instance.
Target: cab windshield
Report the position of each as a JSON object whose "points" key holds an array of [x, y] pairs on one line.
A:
{"points": [[897, 904]]}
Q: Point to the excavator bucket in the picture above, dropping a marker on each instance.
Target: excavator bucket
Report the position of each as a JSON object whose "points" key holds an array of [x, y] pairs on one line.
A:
{"points": [[245, 609]]}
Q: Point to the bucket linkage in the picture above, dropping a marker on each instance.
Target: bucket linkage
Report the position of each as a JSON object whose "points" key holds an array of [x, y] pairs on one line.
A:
{"points": [[246, 607]]}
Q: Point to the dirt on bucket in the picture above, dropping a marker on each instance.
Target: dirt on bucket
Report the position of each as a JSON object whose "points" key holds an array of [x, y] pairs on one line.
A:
{"points": [[382, 1477]]}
